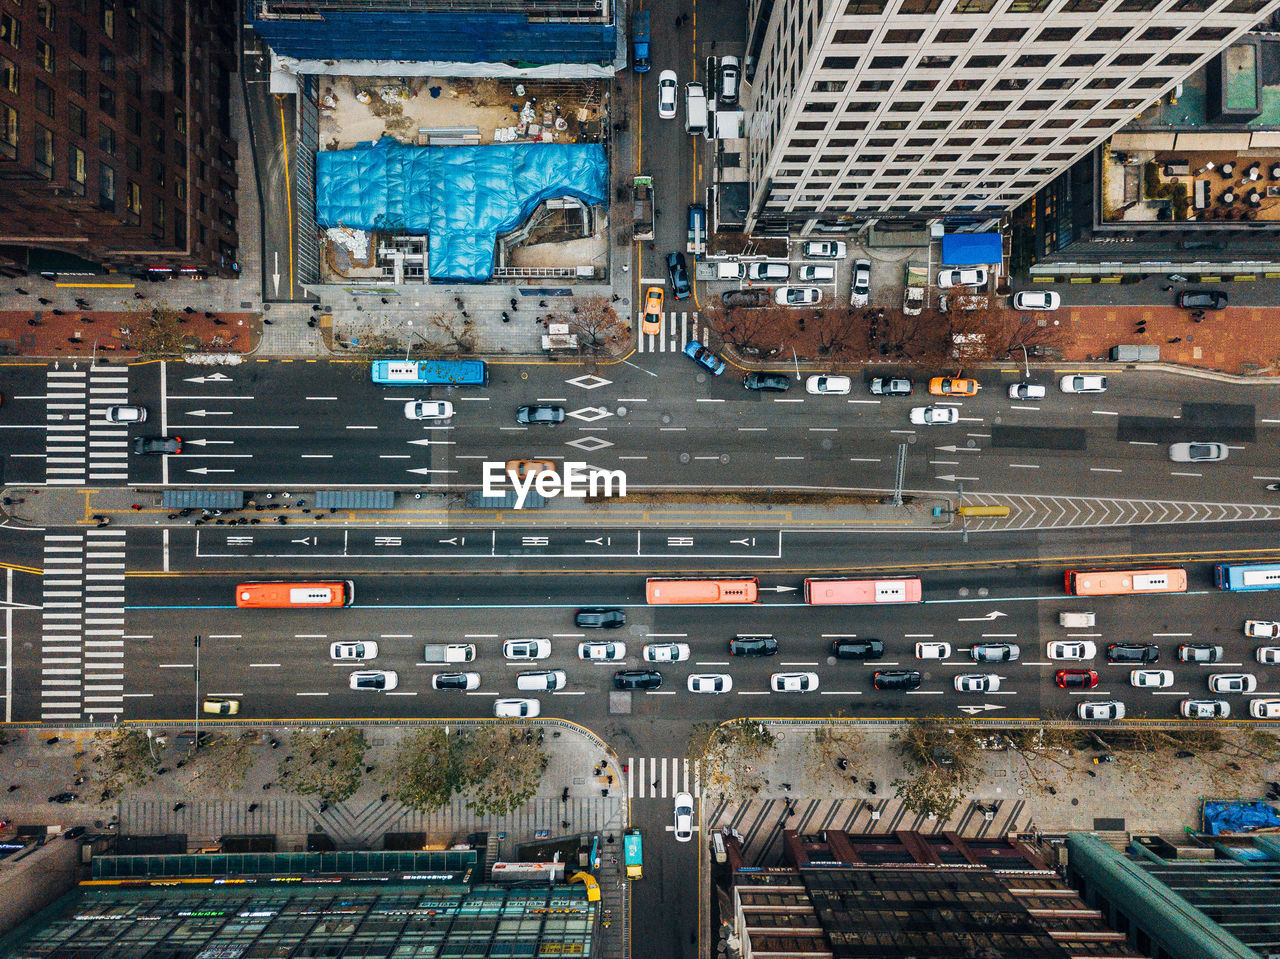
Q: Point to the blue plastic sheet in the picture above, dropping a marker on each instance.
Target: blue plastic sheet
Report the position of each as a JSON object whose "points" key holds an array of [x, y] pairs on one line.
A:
{"points": [[971, 249], [463, 197], [1229, 817]]}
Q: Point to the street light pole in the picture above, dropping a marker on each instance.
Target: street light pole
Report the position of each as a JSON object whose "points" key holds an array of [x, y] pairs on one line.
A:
{"points": [[197, 742], [1026, 363], [796, 359]]}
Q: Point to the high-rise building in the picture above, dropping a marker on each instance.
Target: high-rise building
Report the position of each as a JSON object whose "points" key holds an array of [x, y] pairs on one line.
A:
{"points": [[115, 135], [918, 109]]}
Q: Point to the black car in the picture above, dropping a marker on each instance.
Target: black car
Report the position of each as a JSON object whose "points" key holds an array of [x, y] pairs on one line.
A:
{"points": [[75, 832], [679, 275], [857, 648], [748, 298], [896, 679], [753, 646], [155, 445], [767, 382], [64, 797], [545, 415], [599, 618], [1133, 653], [1202, 300], [637, 679]]}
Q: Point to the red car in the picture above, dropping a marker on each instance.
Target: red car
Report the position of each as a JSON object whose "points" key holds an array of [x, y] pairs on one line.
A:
{"points": [[1076, 678]]}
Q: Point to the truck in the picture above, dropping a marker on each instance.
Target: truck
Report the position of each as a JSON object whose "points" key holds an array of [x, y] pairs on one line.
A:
{"points": [[448, 653], [640, 41], [913, 296], [642, 208], [696, 242]]}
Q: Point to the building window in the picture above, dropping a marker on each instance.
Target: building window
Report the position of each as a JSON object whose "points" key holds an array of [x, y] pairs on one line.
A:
{"points": [[133, 120], [133, 201], [935, 62], [983, 63], [44, 151], [106, 187], [1033, 60], [954, 36], [77, 80], [919, 86], [1180, 59], [1006, 35], [1083, 59], [133, 157], [44, 98], [1104, 83], [865, 8], [840, 63], [79, 42], [874, 86], [44, 13], [44, 55], [1151, 83], [819, 86], [106, 61], [974, 6], [106, 100], [77, 171], [106, 139], [109, 28], [77, 119], [10, 31], [1013, 84], [1131, 59], [8, 131], [903, 36], [851, 36], [888, 63], [8, 75]]}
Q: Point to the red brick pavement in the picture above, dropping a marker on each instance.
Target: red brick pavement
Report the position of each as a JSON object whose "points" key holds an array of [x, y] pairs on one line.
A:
{"points": [[43, 333]]}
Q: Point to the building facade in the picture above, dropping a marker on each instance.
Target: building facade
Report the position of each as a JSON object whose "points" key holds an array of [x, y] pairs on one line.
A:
{"points": [[115, 136], [919, 109]]}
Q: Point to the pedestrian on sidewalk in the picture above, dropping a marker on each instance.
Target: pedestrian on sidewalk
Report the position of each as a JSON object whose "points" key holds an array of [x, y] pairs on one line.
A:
{"points": [[20, 291], [42, 301], [1176, 339], [136, 506]]}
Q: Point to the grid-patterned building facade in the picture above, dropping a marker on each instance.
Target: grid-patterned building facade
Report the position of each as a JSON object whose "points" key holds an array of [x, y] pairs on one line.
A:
{"points": [[115, 133], [914, 109]]}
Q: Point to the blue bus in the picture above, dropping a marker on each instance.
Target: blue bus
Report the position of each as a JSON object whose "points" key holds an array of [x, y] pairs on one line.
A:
{"points": [[1256, 576], [633, 853], [430, 372]]}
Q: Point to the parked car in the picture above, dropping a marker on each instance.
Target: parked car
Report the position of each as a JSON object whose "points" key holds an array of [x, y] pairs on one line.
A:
{"points": [[1151, 678], [769, 272], [126, 414], [753, 646], [1269, 655], [973, 277], [602, 652], [651, 320], [1232, 682], [851, 648], [379, 679], [1133, 653], [1198, 653], [1261, 629], [860, 293], [730, 79], [816, 273], [628, 679], [1072, 649], [896, 679], [1202, 300], [1036, 300], [1100, 710], [977, 683], [1198, 452], [217, 706], [665, 652], [710, 683], [683, 817], [679, 274], [64, 797], [793, 682], [835, 385], [463, 681], [934, 415], [746, 298], [948, 386], [704, 357], [158, 445], [540, 415], [428, 410], [1083, 383], [1026, 391], [797, 295], [1076, 678], [891, 386], [668, 88], [1204, 708], [825, 249], [1264, 708], [933, 650], [599, 617], [526, 648], [358, 651], [767, 382], [994, 652], [516, 708]]}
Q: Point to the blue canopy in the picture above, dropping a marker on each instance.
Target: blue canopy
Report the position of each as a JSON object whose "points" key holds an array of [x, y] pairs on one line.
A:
{"points": [[463, 197], [971, 249]]}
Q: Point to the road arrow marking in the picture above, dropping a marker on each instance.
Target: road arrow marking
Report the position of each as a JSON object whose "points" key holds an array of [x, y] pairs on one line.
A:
{"points": [[595, 542], [958, 449], [210, 378], [450, 542], [424, 470], [209, 413], [205, 471], [953, 479], [208, 442], [275, 277], [994, 614], [743, 542], [305, 541], [979, 709], [778, 589]]}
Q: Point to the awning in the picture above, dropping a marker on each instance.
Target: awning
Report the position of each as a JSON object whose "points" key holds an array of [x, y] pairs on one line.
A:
{"points": [[355, 499], [972, 249], [202, 499]]}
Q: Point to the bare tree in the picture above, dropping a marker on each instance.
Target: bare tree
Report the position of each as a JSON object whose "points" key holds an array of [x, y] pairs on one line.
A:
{"points": [[921, 339], [459, 335], [840, 333], [752, 332], [596, 324], [987, 334]]}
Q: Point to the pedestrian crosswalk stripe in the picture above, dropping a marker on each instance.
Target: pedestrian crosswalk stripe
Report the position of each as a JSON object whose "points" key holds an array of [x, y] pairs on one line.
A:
{"points": [[661, 777], [80, 444], [678, 328]]}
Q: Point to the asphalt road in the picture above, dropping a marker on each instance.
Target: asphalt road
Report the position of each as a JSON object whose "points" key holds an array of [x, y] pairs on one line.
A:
{"points": [[653, 416]]}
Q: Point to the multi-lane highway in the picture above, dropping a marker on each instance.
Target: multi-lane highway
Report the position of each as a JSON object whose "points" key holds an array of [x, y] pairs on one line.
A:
{"points": [[654, 416]]}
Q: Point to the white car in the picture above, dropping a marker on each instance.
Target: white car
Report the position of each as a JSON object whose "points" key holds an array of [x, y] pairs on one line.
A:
{"points": [[710, 683], [835, 385], [428, 410], [684, 817], [542, 680], [463, 681], [1265, 708], [977, 683], [797, 295], [357, 651], [1198, 452], [860, 294], [381, 679], [126, 414], [1269, 655], [1026, 391], [516, 708], [1204, 709], [793, 682], [668, 88], [526, 648], [1083, 383], [602, 652], [1261, 629], [950, 278], [665, 652], [1100, 709], [825, 250], [1072, 649], [1036, 300], [934, 415], [768, 271], [1151, 678], [933, 650], [1232, 682]]}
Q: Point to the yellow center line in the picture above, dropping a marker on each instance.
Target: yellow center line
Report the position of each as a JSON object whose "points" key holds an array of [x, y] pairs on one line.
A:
{"points": [[288, 189]]}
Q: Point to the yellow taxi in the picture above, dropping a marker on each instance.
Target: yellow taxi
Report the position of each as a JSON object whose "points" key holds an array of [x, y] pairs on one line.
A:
{"points": [[651, 321], [946, 386], [523, 468]]}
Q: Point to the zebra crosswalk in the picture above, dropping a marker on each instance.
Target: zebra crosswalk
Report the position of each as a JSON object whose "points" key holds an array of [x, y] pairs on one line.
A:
{"points": [[81, 445], [677, 330], [82, 628], [661, 777]]}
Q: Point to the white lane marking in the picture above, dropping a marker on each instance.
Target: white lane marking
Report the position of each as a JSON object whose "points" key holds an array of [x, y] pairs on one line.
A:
{"points": [[362, 427], [1103, 469], [264, 665], [1142, 443], [1015, 406], [704, 399], [877, 403], [864, 459], [1023, 466], [1176, 473], [317, 456], [788, 457], [320, 398], [1103, 413]]}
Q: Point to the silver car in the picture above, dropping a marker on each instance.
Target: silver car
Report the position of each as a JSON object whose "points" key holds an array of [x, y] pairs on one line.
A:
{"points": [[861, 293], [126, 414], [977, 683], [1100, 709], [1232, 682], [526, 648], [1198, 452]]}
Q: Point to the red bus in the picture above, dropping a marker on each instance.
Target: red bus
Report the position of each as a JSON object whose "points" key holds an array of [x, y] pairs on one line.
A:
{"points": [[667, 592], [295, 595], [1116, 582], [860, 592]]}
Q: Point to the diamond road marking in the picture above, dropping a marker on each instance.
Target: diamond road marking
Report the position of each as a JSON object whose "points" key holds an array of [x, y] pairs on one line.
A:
{"points": [[589, 382], [590, 414], [589, 444]]}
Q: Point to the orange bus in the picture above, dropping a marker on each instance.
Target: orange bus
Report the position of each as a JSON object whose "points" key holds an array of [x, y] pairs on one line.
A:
{"points": [[667, 592], [859, 592], [1115, 582], [295, 595]]}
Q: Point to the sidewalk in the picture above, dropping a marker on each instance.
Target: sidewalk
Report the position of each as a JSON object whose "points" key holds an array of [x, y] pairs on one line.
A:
{"points": [[108, 334]]}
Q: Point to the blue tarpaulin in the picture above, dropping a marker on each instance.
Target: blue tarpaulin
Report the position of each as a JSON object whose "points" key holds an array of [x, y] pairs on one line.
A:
{"points": [[1229, 817], [971, 249], [463, 197]]}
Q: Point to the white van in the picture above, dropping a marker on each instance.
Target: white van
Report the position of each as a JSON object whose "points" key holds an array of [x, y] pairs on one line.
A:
{"points": [[734, 270], [817, 274], [695, 108], [1076, 620], [541, 681]]}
